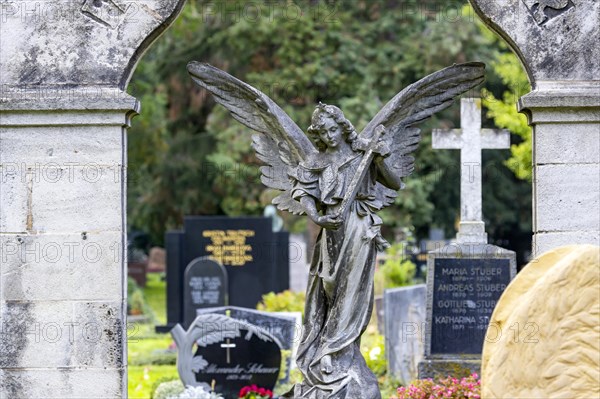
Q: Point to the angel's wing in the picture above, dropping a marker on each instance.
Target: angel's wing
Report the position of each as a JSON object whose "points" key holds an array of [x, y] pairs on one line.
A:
{"points": [[414, 104], [281, 144]]}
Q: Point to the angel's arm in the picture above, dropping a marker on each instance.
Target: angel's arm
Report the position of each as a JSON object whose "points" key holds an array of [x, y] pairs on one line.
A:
{"points": [[386, 174], [325, 221]]}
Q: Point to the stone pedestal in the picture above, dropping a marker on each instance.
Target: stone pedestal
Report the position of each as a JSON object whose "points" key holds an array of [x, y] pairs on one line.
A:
{"points": [[62, 222], [557, 42], [566, 163], [64, 67]]}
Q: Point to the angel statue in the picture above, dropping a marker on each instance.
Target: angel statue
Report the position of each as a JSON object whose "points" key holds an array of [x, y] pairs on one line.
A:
{"points": [[340, 179]]}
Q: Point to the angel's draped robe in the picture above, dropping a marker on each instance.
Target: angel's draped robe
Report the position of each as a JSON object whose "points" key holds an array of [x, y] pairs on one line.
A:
{"points": [[340, 286]]}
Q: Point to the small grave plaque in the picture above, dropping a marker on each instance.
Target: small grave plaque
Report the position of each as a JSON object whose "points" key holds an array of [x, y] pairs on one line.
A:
{"points": [[205, 286], [465, 292]]}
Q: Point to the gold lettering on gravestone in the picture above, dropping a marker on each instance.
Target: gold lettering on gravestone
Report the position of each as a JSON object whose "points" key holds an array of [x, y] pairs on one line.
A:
{"points": [[229, 247]]}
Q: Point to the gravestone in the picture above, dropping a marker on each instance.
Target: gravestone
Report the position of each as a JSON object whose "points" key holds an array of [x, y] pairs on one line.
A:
{"points": [[205, 286], [405, 308], [544, 336], [464, 279], [470, 139], [380, 313], [557, 43], [256, 259], [64, 112], [465, 292], [227, 354], [285, 327], [299, 263]]}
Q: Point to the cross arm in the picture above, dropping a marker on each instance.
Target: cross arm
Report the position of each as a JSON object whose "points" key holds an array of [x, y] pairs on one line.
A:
{"points": [[495, 138], [447, 139]]}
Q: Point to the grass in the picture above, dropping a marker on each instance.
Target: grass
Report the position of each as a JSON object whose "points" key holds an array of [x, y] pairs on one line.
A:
{"points": [[142, 379], [156, 296], [143, 341]]}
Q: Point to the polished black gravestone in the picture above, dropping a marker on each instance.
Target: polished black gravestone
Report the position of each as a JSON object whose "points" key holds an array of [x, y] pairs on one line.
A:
{"points": [[205, 286], [464, 284], [227, 354], [285, 328], [256, 259]]}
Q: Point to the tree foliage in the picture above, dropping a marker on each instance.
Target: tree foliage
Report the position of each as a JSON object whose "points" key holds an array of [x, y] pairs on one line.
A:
{"points": [[503, 110], [189, 156]]}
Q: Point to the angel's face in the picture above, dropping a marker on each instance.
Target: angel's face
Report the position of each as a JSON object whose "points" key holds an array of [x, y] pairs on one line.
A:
{"points": [[331, 133]]}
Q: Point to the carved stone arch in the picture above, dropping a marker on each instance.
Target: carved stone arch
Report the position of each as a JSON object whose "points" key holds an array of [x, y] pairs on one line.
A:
{"points": [[554, 39]]}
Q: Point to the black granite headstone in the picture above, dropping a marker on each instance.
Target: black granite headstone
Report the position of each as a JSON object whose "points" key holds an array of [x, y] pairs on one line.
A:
{"points": [[246, 247], [205, 286], [465, 292], [282, 260], [284, 328], [256, 259], [464, 283], [234, 363], [227, 354]]}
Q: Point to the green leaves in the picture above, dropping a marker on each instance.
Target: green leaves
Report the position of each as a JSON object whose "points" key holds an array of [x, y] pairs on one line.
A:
{"points": [[188, 156]]}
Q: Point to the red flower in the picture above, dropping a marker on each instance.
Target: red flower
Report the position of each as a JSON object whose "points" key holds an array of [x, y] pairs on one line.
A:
{"points": [[250, 389]]}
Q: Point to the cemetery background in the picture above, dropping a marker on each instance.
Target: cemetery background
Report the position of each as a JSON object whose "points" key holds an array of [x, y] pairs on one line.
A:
{"points": [[187, 157]]}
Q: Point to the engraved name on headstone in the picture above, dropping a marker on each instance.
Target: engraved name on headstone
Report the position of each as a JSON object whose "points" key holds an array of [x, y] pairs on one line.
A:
{"points": [[465, 294]]}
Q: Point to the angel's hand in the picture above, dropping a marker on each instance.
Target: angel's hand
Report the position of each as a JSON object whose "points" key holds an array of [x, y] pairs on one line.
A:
{"points": [[330, 222], [360, 144], [382, 148]]}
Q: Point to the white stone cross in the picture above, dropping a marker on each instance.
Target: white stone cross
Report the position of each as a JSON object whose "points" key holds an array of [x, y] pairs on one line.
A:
{"points": [[470, 140], [228, 346]]}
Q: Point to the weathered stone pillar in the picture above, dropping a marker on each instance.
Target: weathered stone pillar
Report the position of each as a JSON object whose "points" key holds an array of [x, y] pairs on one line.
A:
{"points": [[64, 66], [557, 42]]}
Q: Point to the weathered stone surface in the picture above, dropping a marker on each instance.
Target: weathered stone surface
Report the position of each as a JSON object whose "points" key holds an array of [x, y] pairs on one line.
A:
{"points": [[555, 40], [71, 384], [554, 144], [58, 334], [567, 197], [544, 336], [405, 315], [53, 267], [65, 145], [64, 66], [83, 43], [543, 242]]}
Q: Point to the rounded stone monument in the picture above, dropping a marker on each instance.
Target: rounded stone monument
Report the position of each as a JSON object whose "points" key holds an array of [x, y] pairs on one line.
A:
{"points": [[544, 336]]}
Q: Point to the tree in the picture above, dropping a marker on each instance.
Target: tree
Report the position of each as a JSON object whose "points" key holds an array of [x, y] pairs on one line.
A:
{"points": [[503, 110], [191, 157]]}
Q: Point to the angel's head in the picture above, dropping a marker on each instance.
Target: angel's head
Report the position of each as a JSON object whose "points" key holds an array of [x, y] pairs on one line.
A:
{"points": [[329, 126]]}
